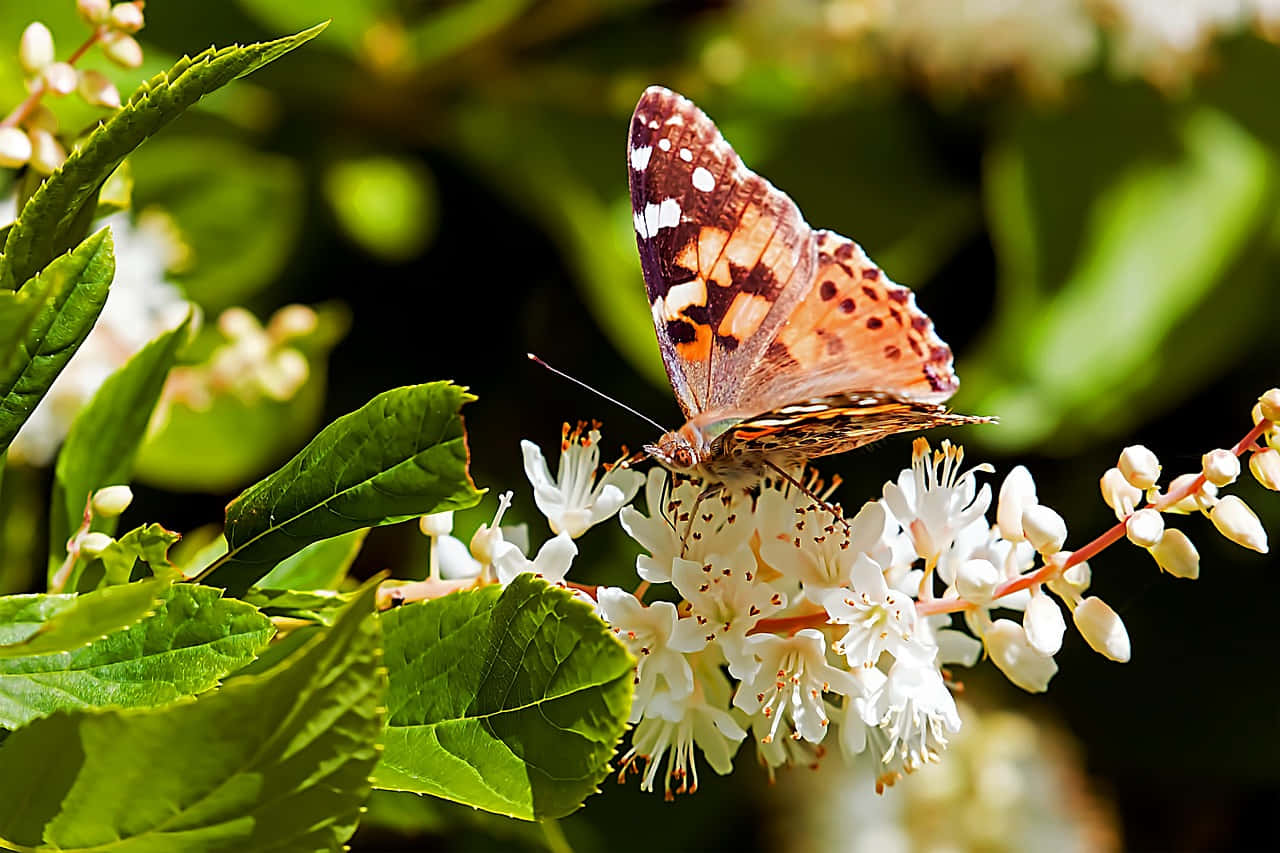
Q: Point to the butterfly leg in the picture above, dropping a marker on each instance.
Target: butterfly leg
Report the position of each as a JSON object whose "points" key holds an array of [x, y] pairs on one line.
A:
{"points": [[709, 491], [816, 498]]}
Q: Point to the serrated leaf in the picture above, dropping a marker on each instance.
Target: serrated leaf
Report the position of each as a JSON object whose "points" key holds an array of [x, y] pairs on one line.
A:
{"points": [[510, 700], [275, 761], [148, 544], [44, 323], [193, 638], [47, 224], [49, 624], [320, 565], [105, 436], [401, 455]]}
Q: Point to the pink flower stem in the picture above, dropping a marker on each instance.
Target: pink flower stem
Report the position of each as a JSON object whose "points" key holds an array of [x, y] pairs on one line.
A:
{"points": [[20, 113]]}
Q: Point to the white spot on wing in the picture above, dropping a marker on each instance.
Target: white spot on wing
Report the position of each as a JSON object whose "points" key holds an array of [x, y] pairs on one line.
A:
{"points": [[664, 144], [703, 180], [686, 155], [653, 125], [676, 119], [640, 158], [656, 217]]}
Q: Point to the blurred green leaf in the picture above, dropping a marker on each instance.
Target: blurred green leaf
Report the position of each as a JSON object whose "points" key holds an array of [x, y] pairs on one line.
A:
{"points": [[105, 436], [403, 454], [148, 544], [348, 22], [506, 699], [33, 625], [321, 606], [276, 761], [320, 565], [51, 221], [193, 638], [385, 204], [43, 324], [238, 211]]}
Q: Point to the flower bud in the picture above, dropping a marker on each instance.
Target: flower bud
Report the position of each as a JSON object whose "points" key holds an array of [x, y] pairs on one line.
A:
{"points": [[1016, 494], [1044, 624], [1139, 466], [110, 501], [94, 11], [281, 377], [1236, 521], [35, 50], [1205, 497], [292, 321], [1176, 555], [1221, 467], [1102, 629], [122, 49], [1044, 528], [99, 91], [238, 323], [436, 524], [47, 153], [41, 118], [1265, 465], [1007, 644], [1270, 405], [126, 17], [93, 544], [1068, 584], [15, 148], [60, 78], [1121, 495], [976, 580], [1144, 528]]}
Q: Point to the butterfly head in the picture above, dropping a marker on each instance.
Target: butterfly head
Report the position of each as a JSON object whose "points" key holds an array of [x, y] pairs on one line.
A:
{"points": [[680, 450]]}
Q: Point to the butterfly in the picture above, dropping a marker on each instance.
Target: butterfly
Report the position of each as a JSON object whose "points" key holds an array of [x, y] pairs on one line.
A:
{"points": [[782, 343]]}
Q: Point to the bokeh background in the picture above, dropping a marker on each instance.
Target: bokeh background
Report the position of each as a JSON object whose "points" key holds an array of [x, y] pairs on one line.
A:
{"points": [[1083, 195]]}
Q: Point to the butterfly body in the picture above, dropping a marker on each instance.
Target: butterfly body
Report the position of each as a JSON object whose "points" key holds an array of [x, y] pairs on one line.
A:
{"points": [[782, 342]]}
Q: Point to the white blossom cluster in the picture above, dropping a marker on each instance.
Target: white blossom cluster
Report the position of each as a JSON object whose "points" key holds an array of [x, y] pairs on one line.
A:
{"points": [[792, 616]]}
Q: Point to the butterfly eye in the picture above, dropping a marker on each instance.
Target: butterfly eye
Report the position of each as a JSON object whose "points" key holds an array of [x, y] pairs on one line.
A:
{"points": [[683, 457]]}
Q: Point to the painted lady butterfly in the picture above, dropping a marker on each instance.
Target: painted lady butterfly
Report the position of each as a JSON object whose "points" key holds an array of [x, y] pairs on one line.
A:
{"points": [[782, 343]]}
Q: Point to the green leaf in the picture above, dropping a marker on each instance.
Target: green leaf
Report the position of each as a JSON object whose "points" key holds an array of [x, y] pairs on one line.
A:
{"points": [[402, 455], [48, 624], [105, 436], [193, 638], [48, 223], [275, 761], [510, 700], [44, 323], [148, 544], [320, 565], [385, 204], [320, 606]]}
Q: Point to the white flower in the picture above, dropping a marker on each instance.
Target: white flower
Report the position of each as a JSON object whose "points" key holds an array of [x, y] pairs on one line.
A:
{"points": [[1044, 624], [913, 713], [723, 525], [880, 619], [1119, 494], [1176, 554], [1044, 528], [1144, 528], [701, 720], [727, 601], [788, 682], [659, 639], [1023, 664], [1102, 629], [1139, 466], [933, 500], [1017, 492], [822, 559], [1221, 467], [1236, 521], [574, 501], [551, 563]]}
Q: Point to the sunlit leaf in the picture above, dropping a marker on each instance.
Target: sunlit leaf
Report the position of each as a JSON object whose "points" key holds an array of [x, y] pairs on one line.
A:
{"points": [[32, 625]]}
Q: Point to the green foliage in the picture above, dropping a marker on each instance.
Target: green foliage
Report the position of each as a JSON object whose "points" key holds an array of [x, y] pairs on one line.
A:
{"points": [[386, 204], [33, 625], [320, 565], [148, 544], [510, 700], [273, 761], [401, 455], [193, 637], [105, 436], [319, 606], [43, 324], [58, 213]]}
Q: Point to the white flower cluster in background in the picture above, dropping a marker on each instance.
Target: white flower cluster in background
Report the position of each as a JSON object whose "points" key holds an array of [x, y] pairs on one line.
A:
{"points": [[788, 619]]}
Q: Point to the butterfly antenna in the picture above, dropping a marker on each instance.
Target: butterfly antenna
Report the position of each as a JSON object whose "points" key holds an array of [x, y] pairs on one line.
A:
{"points": [[659, 427]]}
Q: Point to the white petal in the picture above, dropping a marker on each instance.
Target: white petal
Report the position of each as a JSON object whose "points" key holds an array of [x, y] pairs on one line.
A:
{"points": [[1006, 643], [1017, 492], [1102, 629], [535, 466], [1044, 624], [555, 557]]}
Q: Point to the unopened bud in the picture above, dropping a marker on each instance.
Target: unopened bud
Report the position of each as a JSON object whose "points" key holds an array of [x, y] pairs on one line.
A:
{"points": [[1144, 528], [1121, 495], [1102, 629], [122, 49], [1016, 494], [976, 581], [110, 501], [94, 11], [41, 118], [1201, 499], [98, 90], [1270, 403], [1044, 624], [126, 17], [237, 323], [1236, 521], [1221, 467], [1176, 555], [15, 148], [1265, 465], [47, 153], [1044, 528], [292, 321], [1139, 466], [436, 524], [35, 50], [60, 78], [281, 377], [93, 544], [1011, 652]]}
